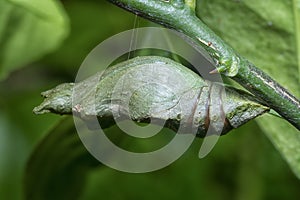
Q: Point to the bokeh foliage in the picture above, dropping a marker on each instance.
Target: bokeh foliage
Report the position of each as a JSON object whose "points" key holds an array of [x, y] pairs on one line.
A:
{"points": [[266, 33], [244, 163]]}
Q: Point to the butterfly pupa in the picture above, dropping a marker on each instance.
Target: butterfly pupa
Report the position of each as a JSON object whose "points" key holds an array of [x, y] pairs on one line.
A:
{"points": [[152, 87]]}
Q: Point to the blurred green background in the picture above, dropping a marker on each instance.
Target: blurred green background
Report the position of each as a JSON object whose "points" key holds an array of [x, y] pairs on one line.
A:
{"points": [[39, 51]]}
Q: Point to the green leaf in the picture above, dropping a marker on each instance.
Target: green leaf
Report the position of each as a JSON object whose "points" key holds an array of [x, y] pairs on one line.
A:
{"points": [[28, 30], [49, 176], [19, 130], [265, 32], [238, 163], [58, 166], [87, 32], [296, 5]]}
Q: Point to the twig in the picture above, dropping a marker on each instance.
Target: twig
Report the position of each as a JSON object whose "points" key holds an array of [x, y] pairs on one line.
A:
{"points": [[180, 15]]}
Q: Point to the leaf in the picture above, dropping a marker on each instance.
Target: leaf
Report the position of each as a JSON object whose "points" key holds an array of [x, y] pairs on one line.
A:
{"points": [[28, 30], [232, 153], [19, 130], [49, 177], [266, 33], [58, 167], [87, 32]]}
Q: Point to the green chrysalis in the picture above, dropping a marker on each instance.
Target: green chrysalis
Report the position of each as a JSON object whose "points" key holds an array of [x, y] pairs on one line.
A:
{"points": [[153, 87]]}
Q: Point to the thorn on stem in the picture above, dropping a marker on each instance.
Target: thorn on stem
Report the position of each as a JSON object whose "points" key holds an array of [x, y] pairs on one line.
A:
{"points": [[215, 71]]}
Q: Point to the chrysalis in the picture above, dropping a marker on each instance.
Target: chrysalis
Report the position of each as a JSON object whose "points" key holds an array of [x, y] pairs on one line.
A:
{"points": [[152, 87]]}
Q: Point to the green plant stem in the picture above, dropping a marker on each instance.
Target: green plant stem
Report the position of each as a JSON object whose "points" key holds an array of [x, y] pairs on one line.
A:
{"points": [[179, 15]]}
